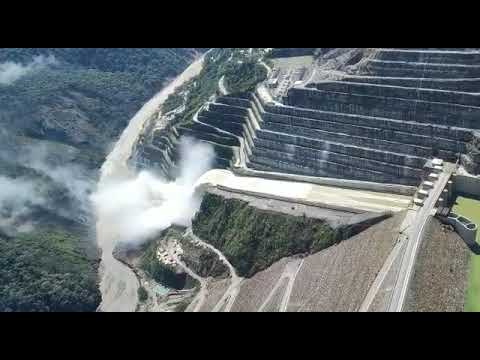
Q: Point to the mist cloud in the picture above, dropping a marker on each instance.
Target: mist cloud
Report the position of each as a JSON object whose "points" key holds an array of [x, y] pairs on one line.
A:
{"points": [[11, 71], [22, 197], [17, 198], [141, 207], [135, 209], [74, 178]]}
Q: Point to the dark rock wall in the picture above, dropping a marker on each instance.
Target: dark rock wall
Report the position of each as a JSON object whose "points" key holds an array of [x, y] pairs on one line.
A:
{"points": [[381, 124]]}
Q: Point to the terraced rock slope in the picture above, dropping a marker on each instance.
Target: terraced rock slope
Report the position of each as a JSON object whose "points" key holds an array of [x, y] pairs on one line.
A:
{"points": [[378, 120]]}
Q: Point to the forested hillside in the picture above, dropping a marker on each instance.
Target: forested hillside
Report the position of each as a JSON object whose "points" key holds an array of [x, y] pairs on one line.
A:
{"points": [[47, 271], [83, 96], [60, 112]]}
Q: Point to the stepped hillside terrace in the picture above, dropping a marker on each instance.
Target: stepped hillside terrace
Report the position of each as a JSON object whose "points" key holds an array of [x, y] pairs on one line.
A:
{"points": [[377, 120]]}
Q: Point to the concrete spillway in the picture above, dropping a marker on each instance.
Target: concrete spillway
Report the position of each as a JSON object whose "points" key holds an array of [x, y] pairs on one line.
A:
{"points": [[118, 283], [325, 196]]}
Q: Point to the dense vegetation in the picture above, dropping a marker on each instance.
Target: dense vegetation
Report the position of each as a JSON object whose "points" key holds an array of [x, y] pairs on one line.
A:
{"points": [[78, 106], [241, 71], [288, 52], [240, 68], [244, 76], [202, 261], [47, 271], [152, 65], [87, 98], [199, 89], [253, 239], [142, 294]]}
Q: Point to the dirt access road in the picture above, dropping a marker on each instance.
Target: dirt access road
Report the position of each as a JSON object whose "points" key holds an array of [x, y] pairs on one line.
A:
{"points": [[230, 294]]}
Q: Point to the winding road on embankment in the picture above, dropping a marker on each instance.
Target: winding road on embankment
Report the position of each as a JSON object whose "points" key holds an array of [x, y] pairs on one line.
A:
{"points": [[118, 283], [228, 298]]}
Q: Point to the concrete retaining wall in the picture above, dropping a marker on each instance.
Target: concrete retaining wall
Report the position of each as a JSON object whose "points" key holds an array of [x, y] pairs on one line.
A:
{"points": [[435, 129], [283, 141], [233, 101], [233, 127], [325, 170], [464, 227], [328, 163], [228, 109], [209, 136], [343, 183], [420, 139], [395, 108], [467, 185], [343, 138], [443, 84], [444, 96], [220, 116], [421, 70], [431, 56], [317, 156]]}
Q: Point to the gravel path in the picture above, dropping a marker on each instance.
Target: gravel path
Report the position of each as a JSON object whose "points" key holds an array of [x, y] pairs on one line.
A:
{"points": [[231, 293]]}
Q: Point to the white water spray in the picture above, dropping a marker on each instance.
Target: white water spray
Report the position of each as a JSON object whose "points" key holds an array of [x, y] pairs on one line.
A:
{"points": [[139, 208], [118, 283]]}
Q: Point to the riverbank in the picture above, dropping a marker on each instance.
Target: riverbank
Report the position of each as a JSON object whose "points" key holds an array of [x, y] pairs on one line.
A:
{"points": [[119, 285]]}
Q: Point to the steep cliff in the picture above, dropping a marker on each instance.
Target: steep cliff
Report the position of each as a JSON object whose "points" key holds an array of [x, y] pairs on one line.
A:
{"points": [[471, 160]]}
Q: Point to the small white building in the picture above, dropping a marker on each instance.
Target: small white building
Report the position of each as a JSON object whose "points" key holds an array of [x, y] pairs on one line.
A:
{"points": [[437, 162], [427, 185], [418, 202], [422, 193]]}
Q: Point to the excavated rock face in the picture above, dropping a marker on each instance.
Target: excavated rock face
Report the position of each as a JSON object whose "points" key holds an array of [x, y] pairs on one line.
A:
{"points": [[366, 114], [395, 109], [288, 52], [471, 160]]}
